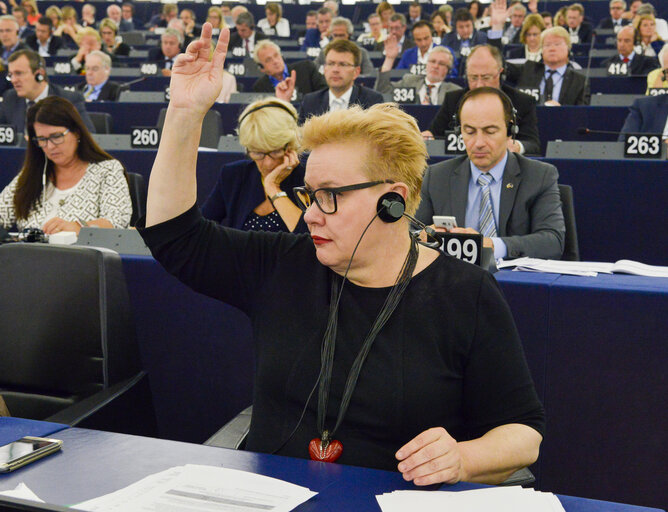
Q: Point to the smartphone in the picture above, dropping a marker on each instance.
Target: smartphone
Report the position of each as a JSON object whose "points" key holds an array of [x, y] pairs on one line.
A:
{"points": [[444, 221], [25, 450]]}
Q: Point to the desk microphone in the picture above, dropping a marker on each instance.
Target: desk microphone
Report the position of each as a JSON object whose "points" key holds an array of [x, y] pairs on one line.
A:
{"points": [[591, 47], [586, 131], [125, 86]]}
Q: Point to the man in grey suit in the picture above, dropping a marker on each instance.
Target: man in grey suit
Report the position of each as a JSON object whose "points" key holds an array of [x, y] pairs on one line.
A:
{"points": [[431, 87], [28, 75], [512, 200]]}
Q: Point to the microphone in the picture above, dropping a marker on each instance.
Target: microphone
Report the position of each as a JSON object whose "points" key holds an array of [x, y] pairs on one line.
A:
{"points": [[591, 47], [46, 161], [126, 85], [586, 131]]}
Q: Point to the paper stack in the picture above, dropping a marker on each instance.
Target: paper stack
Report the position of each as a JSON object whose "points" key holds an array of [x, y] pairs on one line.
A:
{"points": [[498, 499], [584, 268]]}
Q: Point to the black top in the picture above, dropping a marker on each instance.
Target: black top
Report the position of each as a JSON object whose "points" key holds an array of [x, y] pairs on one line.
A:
{"points": [[449, 356]]}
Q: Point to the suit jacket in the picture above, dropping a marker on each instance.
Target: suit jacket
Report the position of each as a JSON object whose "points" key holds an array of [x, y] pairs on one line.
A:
{"points": [[641, 65], [126, 26], [606, 23], [408, 43], [383, 84], [585, 33], [647, 115], [156, 55], [531, 222], [455, 44], [309, 79], [13, 109], [110, 91], [574, 89], [25, 32], [527, 120], [236, 41], [311, 39], [54, 45], [317, 103], [516, 37]]}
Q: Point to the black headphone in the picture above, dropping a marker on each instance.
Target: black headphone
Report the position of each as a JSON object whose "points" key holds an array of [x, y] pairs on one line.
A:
{"points": [[392, 206], [512, 128], [39, 76], [267, 105]]}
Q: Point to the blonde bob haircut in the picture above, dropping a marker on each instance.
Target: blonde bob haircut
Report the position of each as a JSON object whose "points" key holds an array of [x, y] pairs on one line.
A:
{"points": [[556, 31], [88, 31], [54, 10], [110, 24], [69, 13], [269, 128], [395, 152], [533, 20]]}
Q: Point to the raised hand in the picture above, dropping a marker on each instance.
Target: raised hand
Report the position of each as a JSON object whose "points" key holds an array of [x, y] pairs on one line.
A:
{"points": [[196, 81], [391, 47], [498, 14], [286, 88]]}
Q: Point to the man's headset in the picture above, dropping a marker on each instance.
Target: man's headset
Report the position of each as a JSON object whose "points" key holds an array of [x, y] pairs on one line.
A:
{"points": [[509, 111]]}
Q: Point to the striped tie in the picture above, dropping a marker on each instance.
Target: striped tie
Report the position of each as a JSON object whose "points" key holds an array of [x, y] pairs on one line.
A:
{"points": [[487, 223]]}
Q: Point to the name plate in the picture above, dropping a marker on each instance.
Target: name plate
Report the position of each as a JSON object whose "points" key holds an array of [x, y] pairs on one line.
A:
{"points": [[618, 69], [312, 51], [239, 51], [144, 137], [167, 93], [642, 146], [149, 69], [534, 93], [657, 91], [404, 95], [463, 246], [454, 144], [368, 41], [237, 69], [62, 68], [7, 135], [419, 69]]}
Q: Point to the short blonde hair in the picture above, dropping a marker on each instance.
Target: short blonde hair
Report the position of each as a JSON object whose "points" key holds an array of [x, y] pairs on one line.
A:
{"points": [[219, 12], [69, 13], [274, 8], [88, 31], [269, 128], [533, 20], [109, 23], [54, 9], [396, 149], [556, 31]]}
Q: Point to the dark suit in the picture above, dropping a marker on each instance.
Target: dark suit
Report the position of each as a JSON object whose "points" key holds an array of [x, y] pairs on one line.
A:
{"points": [[647, 115], [309, 79], [13, 109], [20, 45], [526, 117], [455, 44], [574, 87], [317, 103], [531, 222], [311, 39], [25, 32], [236, 41], [606, 23], [156, 55], [640, 65], [110, 90], [55, 44], [585, 32], [408, 44], [516, 38], [126, 26]]}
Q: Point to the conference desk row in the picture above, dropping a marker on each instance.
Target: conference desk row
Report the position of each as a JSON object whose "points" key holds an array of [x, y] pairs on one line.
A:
{"points": [[596, 348], [94, 463]]}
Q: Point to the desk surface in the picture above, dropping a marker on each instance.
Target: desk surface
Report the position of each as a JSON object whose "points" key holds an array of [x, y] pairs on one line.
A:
{"points": [[94, 463]]}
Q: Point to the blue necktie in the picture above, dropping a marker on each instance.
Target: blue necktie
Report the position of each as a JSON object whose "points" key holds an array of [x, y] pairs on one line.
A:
{"points": [[487, 223]]}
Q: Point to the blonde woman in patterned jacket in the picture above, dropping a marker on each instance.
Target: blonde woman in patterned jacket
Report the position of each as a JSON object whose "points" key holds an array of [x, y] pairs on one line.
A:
{"points": [[67, 180]]}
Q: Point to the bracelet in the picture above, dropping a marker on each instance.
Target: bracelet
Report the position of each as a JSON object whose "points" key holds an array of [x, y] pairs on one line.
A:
{"points": [[276, 196]]}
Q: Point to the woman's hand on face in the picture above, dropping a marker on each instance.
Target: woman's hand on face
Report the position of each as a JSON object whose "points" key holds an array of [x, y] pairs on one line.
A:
{"points": [[282, 170], [196, 82], [431, 457], [56, 225]]}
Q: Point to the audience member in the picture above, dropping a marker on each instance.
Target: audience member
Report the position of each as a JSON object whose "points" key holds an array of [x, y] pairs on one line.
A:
{"points": [[274, 24], [216, 18], [342, 66], [191, 29], [43, 41], [615, 21], [376, 33], [647, 115], [397, 32], [170, 46], [333, 6], [532, 28], [547, 19], [483, 69], [464, 37], [446, 11], [342, 28], [256, 194], [658, 78], [414, 13], [579, 30], [560, 18], [236, 11], [85, 186], [69, 27], [414, 58], [88, 40], [318, 37], [128, 14], [430, 87], [647, 41], [178, 25], [88, 16], [55, 15], [97, 86], [477, 13], [513, 28], [9, 37], [246, 37], [111, 43], [33, 12], [268, 56], [633, 9], [385, 11], [440, 26], [661, 26], [553, 81], [161, 20], [511, 200], [21, 16], [627, 62]]}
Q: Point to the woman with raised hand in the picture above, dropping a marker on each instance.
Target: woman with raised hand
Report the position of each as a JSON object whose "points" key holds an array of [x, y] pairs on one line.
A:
{"points": [[414, 355]]}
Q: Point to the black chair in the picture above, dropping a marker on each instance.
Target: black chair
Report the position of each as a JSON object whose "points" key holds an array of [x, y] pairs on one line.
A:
{"points": [[212, 128], [138, 193], [68, 347], [102, 121], [571, 248]]}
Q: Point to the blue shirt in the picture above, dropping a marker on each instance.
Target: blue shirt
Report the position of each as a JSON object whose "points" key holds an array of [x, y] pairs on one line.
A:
{"points": [[557, 80], [96, 91], [275, 82], [473, 202]]}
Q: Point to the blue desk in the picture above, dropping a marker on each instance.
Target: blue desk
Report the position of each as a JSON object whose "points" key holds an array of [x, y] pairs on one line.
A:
{"points": [[94, 463], [12, 429]]}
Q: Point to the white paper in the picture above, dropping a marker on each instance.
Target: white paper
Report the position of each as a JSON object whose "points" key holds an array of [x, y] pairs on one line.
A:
{"points": [[584, 268], [22, 491], [192, 487]]}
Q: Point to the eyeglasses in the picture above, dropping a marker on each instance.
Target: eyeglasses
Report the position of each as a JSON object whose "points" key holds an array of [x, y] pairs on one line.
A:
{"points": [[325, 197], [54, 138], [276, 154], [343, 65], [481, 78]]}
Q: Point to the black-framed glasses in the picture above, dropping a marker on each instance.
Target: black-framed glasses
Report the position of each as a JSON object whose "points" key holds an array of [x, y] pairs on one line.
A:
{"points": [[276, 154], [54, 138], [325, 197]]}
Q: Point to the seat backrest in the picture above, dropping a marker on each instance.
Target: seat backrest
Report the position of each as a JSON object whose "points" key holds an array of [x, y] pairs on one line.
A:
{"points": [[133, 38], [571, 248], [138, 193], [102, 121], [212, 127], [67, 328]]}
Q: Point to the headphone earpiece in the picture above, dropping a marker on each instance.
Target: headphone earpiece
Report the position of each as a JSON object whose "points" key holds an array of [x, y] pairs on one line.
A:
{"points": [[391, 207], [39, 76]]}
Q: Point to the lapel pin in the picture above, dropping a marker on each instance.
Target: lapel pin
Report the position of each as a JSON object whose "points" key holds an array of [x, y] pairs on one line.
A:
{"points": [[509, 185]]}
